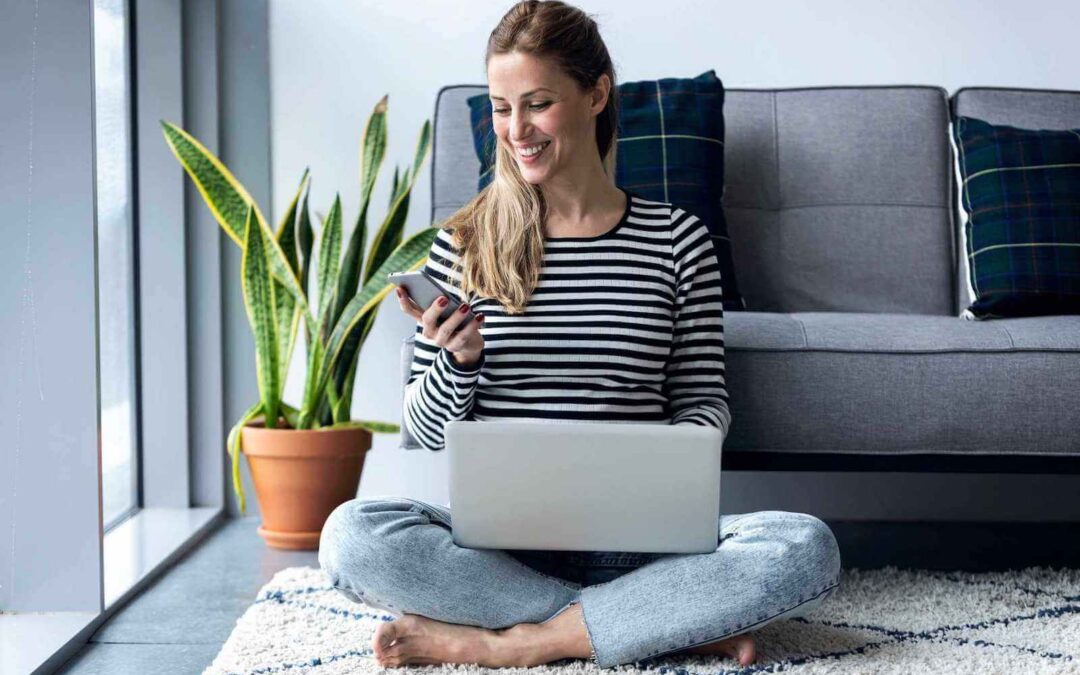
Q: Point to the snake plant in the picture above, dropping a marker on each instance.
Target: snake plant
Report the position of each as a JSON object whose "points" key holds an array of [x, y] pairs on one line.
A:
{"points": [[275, 269]]}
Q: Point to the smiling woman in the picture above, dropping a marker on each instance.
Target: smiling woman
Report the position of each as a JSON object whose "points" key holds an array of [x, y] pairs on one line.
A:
{"points": [[599, 305]]}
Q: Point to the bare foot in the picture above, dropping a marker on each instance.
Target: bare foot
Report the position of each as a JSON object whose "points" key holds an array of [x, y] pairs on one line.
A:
{"points": [[740, 647], [419, 640]]}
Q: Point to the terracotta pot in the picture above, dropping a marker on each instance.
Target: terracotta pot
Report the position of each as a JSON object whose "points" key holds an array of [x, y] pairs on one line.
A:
{"points": [[300, 477]]}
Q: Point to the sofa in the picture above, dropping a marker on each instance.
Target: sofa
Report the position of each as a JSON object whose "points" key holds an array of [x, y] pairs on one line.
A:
{"points": [[852, 354]]}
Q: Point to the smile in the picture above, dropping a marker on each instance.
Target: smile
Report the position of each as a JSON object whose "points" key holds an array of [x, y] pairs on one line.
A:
{"points": [[533, 150]]}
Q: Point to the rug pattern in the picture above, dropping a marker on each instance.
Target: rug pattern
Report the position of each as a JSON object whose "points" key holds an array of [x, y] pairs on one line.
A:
{"points": [[878, 621]]}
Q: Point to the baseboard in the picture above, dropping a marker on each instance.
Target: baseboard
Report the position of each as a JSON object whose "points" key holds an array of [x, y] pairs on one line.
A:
{"points": [[973, 547]]}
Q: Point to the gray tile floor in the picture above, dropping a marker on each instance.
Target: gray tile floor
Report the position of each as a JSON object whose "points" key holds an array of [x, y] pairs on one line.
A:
{"points": [[180, 622]]}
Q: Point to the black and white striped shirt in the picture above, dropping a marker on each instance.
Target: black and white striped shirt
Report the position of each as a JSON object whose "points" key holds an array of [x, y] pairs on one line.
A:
{"points": [[627, 326]]}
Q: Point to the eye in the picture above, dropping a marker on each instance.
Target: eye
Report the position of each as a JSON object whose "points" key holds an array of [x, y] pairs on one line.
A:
{"points": [[538, 107]]}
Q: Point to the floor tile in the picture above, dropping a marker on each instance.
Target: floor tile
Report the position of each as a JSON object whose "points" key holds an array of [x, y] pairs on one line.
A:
{"points": [[128, 659], [199, 599]]}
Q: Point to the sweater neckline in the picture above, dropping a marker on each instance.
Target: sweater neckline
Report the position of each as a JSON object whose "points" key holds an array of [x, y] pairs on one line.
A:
{"points": [[603, 235]]}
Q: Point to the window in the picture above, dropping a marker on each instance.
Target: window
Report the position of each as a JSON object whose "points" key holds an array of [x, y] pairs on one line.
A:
{"points": [[116, 263]]}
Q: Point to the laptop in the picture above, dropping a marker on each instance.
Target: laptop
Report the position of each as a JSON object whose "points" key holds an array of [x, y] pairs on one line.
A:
{"points": [[590, 486]]}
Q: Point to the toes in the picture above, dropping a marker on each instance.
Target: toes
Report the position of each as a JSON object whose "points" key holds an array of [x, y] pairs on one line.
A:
{"points": [[746, 653], [391, 657], [385, 634]]}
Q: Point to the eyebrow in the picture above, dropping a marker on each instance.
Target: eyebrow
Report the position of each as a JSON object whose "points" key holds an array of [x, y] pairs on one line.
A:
{"points": [[528, 93]]}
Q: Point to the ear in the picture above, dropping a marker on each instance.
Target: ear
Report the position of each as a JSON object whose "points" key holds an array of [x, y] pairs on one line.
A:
{"points": [[598, 98]]}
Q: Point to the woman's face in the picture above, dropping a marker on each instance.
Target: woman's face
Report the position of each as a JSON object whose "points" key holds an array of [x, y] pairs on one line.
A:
{"points": [[533, 104]]}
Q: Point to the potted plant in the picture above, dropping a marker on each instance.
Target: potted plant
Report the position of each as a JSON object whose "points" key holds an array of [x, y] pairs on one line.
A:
{"points": [[306, 460]]}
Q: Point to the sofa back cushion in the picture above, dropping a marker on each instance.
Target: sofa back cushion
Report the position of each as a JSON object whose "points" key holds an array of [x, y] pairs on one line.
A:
{"points": [[837, 199], [1024, 108]]}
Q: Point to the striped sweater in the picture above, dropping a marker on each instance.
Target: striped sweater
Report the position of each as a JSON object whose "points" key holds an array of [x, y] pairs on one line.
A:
{"points": [[627, 326]]}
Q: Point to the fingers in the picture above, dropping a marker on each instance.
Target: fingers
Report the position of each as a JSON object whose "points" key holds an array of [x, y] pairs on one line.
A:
{"points": [[407, 305], [444, 335], [430, 319], [451, 324], [468, 338]]}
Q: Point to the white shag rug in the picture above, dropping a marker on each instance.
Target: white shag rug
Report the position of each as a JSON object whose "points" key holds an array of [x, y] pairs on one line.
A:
{"points": [[877, 621]]}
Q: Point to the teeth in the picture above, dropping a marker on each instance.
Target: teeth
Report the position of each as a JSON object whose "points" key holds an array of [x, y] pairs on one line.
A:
{"points": [[532, 150]]}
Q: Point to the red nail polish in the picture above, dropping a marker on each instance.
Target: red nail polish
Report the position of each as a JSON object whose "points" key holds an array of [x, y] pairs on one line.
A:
{"points": [[463, 308], [480, 317], [442, 301]]}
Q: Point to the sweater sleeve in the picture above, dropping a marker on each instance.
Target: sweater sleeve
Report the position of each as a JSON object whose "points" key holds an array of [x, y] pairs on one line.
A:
{"points": [[694, 376], [438, 390]]}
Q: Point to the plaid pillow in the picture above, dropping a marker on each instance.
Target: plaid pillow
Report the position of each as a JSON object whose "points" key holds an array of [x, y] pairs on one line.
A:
{"points": [[1020, 190], [671, 149]]}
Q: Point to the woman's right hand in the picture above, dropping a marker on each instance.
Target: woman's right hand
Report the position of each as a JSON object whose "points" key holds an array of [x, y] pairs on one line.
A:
{"points": [[466, 345]]}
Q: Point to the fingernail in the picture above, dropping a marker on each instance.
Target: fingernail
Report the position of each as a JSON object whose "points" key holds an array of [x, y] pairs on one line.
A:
{"points": [[479, 317], [464, 308], [442, 300]]}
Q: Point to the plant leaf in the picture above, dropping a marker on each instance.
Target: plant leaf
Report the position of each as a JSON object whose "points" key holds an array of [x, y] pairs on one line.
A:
{"points": [[350, 353], [411, 255], [229, 201], [226, 197], [400, 186], [290, 414], [349, 277], [288, 315], [329, 262], [258, 293], [389, 235], [305, 237], [421, 150], [343, 410], [233, 446], [372, 149]]}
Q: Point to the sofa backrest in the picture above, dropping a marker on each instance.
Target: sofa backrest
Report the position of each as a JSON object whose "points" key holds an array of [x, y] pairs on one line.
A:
{"points": [[837, 198], [1024, 108]]}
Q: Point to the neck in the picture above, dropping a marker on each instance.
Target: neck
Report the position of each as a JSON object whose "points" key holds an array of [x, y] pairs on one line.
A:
{"points": [[582, 205]]}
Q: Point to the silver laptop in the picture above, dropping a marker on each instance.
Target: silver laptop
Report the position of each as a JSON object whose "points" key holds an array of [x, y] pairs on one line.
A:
{"points": [[588, 486]]}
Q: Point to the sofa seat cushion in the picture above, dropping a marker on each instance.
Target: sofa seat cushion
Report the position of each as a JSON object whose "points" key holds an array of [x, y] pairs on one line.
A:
{"points": [[859, 383], [902, 383]]}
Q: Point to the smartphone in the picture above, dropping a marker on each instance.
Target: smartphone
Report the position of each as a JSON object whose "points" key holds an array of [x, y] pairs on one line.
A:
{"points": [[423, 290]]}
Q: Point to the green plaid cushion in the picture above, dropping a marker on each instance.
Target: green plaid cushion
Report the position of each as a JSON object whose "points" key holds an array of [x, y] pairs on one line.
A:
{"points": [[671, 149], [1021, 193]]}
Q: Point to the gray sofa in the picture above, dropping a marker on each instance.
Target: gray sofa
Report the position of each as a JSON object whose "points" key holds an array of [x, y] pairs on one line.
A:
{"points": [[841, 204]]}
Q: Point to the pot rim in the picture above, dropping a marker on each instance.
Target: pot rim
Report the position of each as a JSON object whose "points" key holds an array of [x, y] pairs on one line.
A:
{"points": [[260, 425]]}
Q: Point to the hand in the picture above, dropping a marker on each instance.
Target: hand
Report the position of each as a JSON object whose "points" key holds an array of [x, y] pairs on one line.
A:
{"points": [[466, 345]]}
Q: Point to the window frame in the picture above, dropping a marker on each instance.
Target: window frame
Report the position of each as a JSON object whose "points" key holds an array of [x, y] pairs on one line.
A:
{"points": [[80, 574]]}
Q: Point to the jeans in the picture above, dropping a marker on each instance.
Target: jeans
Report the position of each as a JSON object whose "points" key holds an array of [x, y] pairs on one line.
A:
{"points": [[397, 554]]}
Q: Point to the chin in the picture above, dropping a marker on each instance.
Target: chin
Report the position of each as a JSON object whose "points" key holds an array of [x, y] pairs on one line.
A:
{"points": [[533, 177]]}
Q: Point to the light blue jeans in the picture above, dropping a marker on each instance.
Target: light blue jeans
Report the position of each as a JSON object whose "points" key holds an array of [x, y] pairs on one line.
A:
{"points": [[397, 554]]}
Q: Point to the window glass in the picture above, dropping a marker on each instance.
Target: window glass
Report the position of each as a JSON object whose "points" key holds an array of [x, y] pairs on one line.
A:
{"points": [[115, 261]]}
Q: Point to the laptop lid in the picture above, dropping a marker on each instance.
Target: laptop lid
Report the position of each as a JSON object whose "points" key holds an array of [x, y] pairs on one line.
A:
{"points": [[585, 486]]}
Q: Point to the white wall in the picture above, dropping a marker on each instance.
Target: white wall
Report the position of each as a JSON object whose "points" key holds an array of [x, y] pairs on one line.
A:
{"points": [[331, 61]]}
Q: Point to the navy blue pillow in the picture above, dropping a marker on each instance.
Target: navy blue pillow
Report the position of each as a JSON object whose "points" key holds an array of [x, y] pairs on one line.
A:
{"points": [[671, 149], [1021, 195]]}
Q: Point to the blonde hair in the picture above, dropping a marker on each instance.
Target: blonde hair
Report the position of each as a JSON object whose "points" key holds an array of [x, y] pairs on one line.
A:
{"points": [[499, 233]]}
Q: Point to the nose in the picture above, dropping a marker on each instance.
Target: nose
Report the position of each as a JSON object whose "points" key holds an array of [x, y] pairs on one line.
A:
{"points": [[519, 125]]}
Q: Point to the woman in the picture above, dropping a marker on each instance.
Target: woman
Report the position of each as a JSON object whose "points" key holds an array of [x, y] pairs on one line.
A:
{"points": [[592, 304]]}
